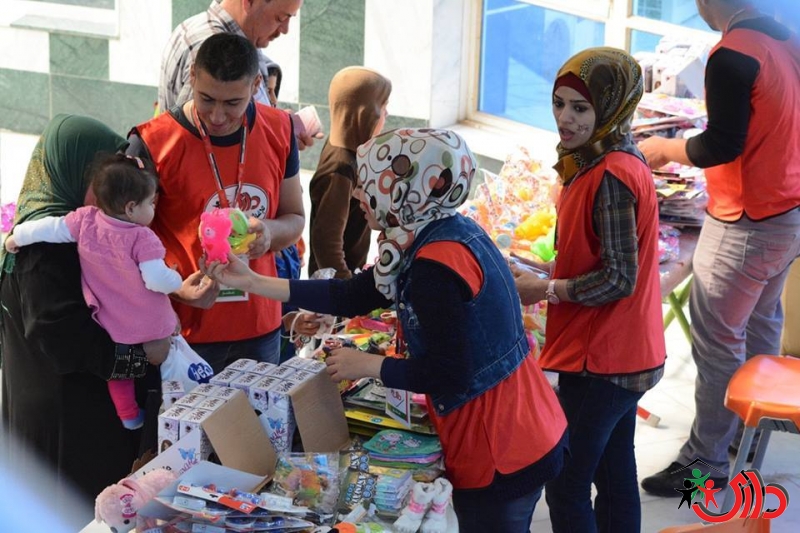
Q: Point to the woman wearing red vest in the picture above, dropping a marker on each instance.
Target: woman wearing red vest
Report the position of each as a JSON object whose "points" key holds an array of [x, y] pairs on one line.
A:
{"points": [[751, 153], [604, 332]]}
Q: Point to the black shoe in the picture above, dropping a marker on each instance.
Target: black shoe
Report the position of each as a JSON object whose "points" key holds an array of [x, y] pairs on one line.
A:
{"points": [[733, 450], [666, 482]]}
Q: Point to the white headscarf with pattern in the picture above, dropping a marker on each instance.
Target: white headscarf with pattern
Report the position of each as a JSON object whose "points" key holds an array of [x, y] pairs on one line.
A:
{"points": [[408, 178]]}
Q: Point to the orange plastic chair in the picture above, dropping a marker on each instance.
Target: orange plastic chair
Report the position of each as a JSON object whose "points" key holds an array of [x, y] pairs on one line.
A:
{"points": [[739, 525], [765, 393]]}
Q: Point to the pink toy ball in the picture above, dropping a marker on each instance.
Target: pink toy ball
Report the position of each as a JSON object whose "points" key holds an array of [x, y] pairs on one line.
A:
{"points": [[215, 228], [119, 504]]}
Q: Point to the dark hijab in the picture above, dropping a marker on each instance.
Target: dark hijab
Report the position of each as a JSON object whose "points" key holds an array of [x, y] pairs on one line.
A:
{"points": [[57, 180]]}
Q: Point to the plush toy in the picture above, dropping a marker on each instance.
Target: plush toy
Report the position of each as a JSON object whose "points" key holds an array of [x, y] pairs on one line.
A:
{"points": [[118, 504], [215, 227], [224, 230]]}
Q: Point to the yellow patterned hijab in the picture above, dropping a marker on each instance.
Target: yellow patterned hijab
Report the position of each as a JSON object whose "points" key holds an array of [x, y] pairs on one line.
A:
{"points": [[614, 81]]}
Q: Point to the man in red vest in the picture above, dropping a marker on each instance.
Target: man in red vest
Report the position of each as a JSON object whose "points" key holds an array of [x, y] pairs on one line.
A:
{"points": [[223, 149], [751, 153]]}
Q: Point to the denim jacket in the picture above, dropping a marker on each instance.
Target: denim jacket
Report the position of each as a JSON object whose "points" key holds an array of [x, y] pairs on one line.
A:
{"points": [[496, 339]]}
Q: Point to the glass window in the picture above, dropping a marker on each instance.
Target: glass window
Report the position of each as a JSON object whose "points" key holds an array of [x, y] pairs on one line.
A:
{"points": [[101, 4], [642, 41], [681, 12], [522, 48]]}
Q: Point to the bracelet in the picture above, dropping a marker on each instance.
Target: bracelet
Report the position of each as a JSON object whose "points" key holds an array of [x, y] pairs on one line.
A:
{"points": [[130, 361]]}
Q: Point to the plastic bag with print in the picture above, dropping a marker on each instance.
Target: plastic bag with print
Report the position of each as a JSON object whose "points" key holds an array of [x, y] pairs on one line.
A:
{"points": [[184, 365]]}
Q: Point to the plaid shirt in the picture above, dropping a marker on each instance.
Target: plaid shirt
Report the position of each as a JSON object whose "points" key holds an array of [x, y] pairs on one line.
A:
{"points": [[614, 219], [176, 64]]}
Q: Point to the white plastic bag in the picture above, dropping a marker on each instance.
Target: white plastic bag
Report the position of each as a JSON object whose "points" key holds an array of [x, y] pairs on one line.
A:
{"points": [[184, 365]]}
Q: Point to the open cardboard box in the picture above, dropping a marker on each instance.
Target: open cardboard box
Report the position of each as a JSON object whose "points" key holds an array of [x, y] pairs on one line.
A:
{"points": [[244, 449]]}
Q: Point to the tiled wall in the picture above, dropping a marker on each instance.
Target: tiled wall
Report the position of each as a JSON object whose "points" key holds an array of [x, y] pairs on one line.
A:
{"points": [[415, 43]]}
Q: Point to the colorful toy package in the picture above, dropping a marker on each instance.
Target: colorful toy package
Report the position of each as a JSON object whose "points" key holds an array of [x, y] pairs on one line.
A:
{"points": [[310, 479], [516, 206]]}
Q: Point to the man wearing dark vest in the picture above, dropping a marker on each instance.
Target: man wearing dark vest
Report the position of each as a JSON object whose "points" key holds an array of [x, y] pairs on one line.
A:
{"points": [[751, 153], [223, 149]]}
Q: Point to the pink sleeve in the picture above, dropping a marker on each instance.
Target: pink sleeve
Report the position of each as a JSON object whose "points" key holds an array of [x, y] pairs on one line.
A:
{"points": [[74, 221], [147, 247]]}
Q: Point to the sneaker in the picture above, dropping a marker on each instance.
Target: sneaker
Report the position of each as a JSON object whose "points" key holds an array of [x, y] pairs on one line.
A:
{"points": [[666, 482]]}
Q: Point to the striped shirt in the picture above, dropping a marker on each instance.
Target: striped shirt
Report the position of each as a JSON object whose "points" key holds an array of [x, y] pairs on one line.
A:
{"points": [[174, 87], [614, 221]]}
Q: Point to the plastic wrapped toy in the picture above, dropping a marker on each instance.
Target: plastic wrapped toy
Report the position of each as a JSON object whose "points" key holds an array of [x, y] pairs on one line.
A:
{"points": [[215, 227], [239, 238], [222, 231]]}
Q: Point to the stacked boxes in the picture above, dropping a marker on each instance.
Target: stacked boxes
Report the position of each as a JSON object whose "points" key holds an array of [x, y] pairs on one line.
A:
{"points": [[270, 397], [186, 413], [171, 392], [268, 388]]}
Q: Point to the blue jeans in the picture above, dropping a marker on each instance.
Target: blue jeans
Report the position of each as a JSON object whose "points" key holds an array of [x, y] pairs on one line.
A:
{"points": [[220, 354], [739, 271], [479, 515], [601, 419]]}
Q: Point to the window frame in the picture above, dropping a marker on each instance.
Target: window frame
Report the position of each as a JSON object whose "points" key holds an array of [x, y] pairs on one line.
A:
{"points": [[619, 23], [69, 19]]}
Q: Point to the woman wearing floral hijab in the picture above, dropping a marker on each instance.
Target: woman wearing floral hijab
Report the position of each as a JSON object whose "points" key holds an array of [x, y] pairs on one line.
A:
{"points": [[501, 428], [604, 330]]}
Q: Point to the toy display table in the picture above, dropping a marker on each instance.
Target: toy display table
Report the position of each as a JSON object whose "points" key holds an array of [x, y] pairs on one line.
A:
{"points": [[676, 281]]}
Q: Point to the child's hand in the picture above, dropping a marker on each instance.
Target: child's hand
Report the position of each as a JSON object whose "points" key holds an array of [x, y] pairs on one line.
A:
{"points": [[234, 273], [11, 245], [352, 364], [197, 291]]}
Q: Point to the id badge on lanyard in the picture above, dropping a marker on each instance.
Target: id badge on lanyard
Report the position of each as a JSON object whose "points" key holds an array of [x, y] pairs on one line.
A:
{"points": [[226, 294], [229, 294]]}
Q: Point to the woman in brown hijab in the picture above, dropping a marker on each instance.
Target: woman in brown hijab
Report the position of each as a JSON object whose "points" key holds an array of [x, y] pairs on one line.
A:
{"points": [[338, 234], [604, 327]]}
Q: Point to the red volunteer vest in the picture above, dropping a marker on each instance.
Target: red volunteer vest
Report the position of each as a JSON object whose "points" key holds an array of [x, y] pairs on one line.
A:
{"points": [[188, 188], [625, 336], [765, 179]]}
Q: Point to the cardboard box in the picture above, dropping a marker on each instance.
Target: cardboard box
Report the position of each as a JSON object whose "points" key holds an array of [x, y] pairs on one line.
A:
{"points": [[245, 381], [313, 407], [211, 403], [192, 421], [242, 365], [226, 393], [203, 473], [169, 426], [258, 396], [282, 372], [240, 441], [279, 415], [190, 400], [171, 392], [263, 368], [204, 389], [224, 378]]}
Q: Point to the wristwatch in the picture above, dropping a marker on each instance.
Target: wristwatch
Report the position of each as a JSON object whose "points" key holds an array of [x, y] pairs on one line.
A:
{"points": [[550, 293]]}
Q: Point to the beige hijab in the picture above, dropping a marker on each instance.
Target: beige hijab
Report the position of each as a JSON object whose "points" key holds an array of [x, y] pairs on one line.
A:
{"points": [[356, 96]]}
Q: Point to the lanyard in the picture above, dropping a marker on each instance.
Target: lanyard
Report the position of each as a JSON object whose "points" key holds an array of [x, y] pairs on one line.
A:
{"points": [[212, 160]]}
